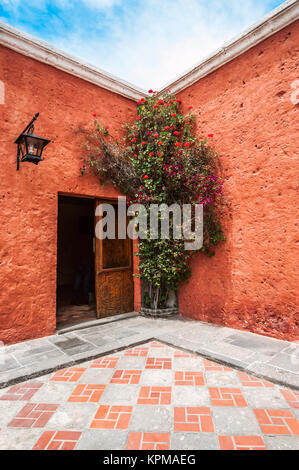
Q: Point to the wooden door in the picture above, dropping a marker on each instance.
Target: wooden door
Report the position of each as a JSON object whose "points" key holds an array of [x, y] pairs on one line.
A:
{"points": [[114, 286]]}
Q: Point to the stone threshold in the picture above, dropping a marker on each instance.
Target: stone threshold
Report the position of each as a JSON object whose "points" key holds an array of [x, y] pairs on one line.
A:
{"points": [[283, 378], [98, 321]]}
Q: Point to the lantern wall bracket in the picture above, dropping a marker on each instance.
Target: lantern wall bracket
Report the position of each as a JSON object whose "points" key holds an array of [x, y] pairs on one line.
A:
{"points": [[30, 146]]}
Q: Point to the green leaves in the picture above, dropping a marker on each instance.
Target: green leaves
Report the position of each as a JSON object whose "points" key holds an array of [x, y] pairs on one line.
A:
{"points": [[161, 160]]}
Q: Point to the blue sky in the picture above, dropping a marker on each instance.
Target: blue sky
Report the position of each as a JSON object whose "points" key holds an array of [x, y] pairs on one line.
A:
{"points": [[146, 42]]}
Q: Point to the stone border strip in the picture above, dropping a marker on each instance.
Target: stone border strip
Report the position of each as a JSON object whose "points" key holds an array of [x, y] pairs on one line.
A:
{"points": [[286, 381]]}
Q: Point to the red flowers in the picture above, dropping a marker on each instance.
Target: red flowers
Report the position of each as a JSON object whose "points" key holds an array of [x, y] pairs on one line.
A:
{"points": [[133, 140], [178, 144], [151, 154], [166, 128], [160, 143], [156, 135], [145, 177], [173, 115], [141, 101], [155, 106], [143, 143], [187, 144], [178, 101], [160, 101], [138, 118], [190, 107], [150, 91], [210, 135], [159, 154], [94, 115], [176, 133]]}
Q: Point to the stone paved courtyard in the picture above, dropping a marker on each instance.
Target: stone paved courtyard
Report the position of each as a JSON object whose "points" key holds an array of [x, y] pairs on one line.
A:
{"points": [[151, 396]]}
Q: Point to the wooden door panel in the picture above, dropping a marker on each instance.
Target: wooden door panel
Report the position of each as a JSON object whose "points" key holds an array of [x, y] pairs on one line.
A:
{"points": [[114, 276]]}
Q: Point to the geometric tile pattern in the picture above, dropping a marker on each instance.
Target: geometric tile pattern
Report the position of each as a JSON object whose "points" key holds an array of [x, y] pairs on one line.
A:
{"points": [[68, 375], [277, 422], [227, 397], [154, 396], [291, 397], [105, 362], [248, 381], [188, 378], [148, 441], [150, 396], [87, 393], [126, 377], [23, 391], [136, 352], [112, 417], [57, 440], [241, 443], [33, 415], [158, 363], [193, 419]]}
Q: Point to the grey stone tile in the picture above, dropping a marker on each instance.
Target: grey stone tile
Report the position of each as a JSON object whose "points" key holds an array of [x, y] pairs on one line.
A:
{"points": [[190, 396], [19, 439], [121, 333], [193, 441], [102, 439], [120, 394], [151, 418], [271, 372], [8, 363], [131, 362], [264, 397], [281, 442], [8, 410], [31, 351], [231, 421], [41, 359], [187, 363], [263, 344], [54, 392], [284, 361], [75, 416], [157, 377], [95, 376], [97, 340], [73, 345], [222, 379]]}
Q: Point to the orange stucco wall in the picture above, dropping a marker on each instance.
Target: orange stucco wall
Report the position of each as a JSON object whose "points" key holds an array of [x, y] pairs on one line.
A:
{"points": [[251, 282], [28, 198]]}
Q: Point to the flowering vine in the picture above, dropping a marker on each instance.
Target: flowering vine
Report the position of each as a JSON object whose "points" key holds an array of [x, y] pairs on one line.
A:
{"points": [[162, 161]]}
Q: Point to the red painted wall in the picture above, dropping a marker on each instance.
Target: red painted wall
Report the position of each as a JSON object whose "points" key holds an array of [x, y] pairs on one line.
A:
{"points": [[28, 198], [251, 283]]}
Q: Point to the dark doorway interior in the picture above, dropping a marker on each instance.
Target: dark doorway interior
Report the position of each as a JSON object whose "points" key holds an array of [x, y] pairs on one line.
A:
{"points": [[75, 261]]}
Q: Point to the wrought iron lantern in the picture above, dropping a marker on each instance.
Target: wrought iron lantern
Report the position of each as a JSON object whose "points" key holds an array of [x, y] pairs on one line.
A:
{"points": [[30, 146]]}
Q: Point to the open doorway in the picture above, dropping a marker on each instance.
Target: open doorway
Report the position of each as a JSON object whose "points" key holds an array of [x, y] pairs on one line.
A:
{"points": [[75, 261]]}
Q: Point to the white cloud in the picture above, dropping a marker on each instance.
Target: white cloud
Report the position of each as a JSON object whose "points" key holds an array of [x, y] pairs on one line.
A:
{"points": [[152, 45]]}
